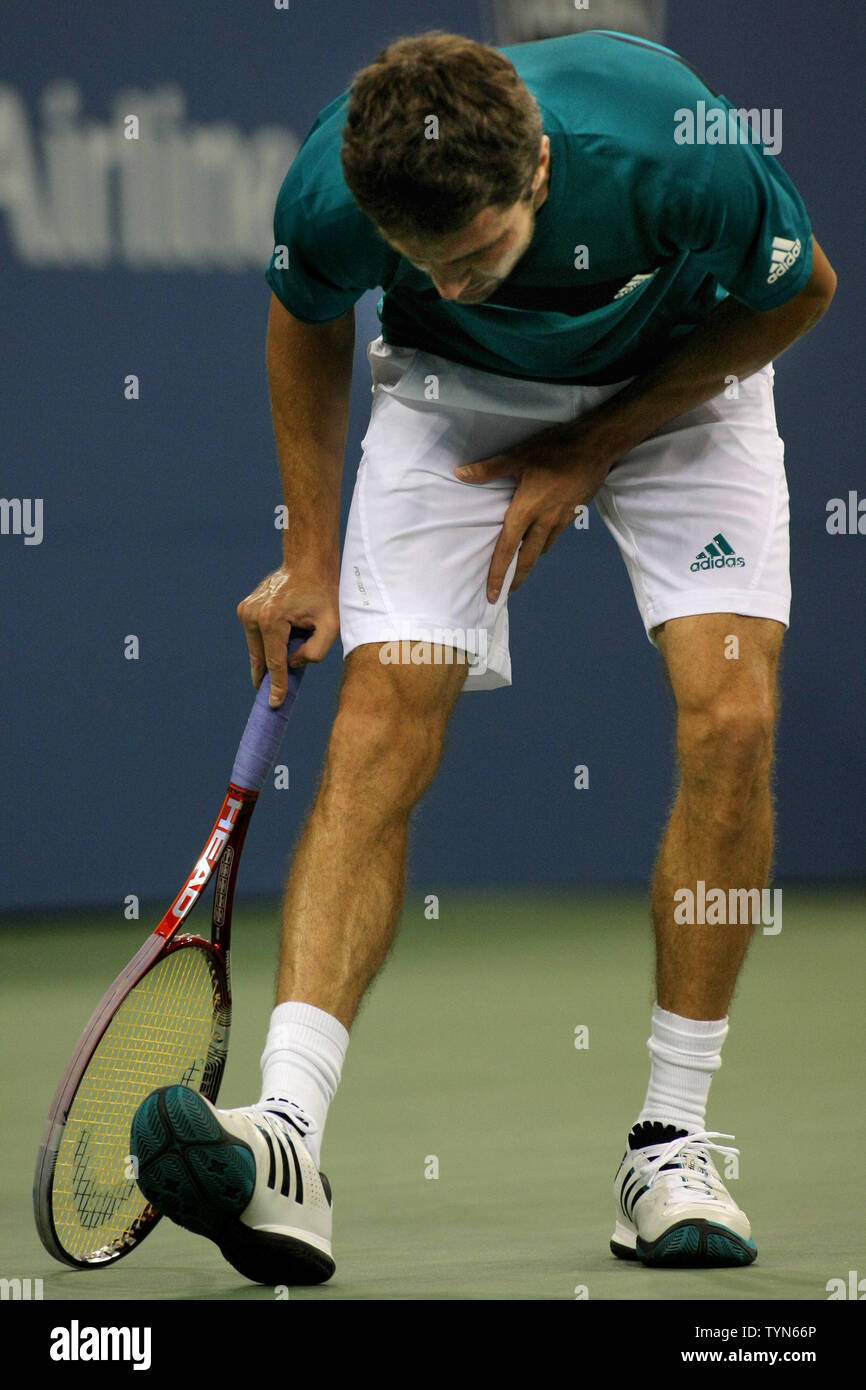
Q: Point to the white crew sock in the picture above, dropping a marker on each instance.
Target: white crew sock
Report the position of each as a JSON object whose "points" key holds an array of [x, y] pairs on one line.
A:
{"points": [[301, 1065], [685, 1053]]}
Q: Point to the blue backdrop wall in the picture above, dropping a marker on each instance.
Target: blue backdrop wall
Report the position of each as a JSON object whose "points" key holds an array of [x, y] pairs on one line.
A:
{"points": [[146, 258]]}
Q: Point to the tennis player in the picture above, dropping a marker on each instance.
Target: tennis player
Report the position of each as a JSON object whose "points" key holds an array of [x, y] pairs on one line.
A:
{"points": [[589, 261]]}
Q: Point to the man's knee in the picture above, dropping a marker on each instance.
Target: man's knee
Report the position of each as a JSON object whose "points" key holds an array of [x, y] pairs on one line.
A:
{"points": [[725, 740], [726, 708], [390, 725]]}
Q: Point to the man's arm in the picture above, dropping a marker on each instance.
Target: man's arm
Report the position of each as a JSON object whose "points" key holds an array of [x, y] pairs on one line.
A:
{"points": [[567, 464], [310, 375], [733, 341]]}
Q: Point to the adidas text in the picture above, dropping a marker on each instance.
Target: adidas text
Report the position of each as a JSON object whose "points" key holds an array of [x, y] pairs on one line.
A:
{"points": [[76, 1343], [783, 256], [719, 562]]}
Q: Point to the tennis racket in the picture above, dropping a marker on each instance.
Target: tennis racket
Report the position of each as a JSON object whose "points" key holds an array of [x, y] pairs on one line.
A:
{"points": [[164, 1020]]}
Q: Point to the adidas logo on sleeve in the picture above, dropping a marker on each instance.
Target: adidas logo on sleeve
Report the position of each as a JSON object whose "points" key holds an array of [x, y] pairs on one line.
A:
{"points": [[718, 554], [783, 256], [633, 284]]}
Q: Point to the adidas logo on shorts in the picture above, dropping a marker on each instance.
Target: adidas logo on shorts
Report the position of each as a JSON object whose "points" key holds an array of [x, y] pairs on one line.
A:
{"points": [[717, 555]]}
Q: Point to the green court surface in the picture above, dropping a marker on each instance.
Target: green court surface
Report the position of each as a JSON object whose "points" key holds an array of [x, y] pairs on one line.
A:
{"points": [[463, 1058]]}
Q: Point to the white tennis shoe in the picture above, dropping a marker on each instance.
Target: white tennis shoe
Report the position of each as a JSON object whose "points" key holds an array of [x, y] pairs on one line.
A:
{"points": [[672, 1206], [242, 1178]]}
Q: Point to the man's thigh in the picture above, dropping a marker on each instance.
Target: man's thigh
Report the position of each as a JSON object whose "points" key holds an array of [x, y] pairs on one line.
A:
{"points": [[424, 686], [699, 511], [722, 662], [391, 719]]}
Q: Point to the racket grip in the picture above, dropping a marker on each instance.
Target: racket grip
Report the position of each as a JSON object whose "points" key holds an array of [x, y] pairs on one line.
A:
{"points": [[263, 734]]}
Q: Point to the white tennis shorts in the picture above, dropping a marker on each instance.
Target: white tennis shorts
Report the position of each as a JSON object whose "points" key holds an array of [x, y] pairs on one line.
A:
{"points": [[699, 510]]}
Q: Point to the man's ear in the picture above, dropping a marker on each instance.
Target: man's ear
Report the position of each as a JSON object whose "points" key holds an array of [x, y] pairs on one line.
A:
{"points": [[538, 177]]}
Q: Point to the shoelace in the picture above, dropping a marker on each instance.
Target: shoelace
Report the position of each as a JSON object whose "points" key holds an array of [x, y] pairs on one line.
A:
{"points": [[690, 1179], [289, 1111]]}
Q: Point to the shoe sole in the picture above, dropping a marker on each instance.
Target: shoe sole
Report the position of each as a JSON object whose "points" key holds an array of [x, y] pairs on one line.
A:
{"points": [[202, 1177], [692, 1244]]}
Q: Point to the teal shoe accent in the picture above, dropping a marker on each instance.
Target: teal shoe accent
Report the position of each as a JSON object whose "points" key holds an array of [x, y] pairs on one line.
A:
{"points": [[189, 1168], [697, 1244]]}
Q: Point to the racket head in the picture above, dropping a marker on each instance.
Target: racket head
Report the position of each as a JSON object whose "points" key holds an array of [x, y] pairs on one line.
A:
{"points": [[165, 1022]]}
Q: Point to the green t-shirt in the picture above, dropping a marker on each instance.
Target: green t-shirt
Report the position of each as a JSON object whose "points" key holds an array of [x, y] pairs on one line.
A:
{"points": [[669, 229]]}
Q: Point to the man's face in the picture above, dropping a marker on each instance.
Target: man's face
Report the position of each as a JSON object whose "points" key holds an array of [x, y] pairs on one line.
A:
{"points": [[467, 266]]}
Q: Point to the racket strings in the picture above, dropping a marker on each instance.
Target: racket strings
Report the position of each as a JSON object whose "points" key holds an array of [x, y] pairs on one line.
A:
{"points": [[171, 1028]]}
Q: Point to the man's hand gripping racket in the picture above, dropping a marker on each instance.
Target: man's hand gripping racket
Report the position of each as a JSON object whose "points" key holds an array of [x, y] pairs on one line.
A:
{"points": [[164, 1020]]}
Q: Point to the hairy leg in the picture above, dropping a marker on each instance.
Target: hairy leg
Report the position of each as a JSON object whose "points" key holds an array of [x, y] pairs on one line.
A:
{"points": [[721, 826], [344, 892]]}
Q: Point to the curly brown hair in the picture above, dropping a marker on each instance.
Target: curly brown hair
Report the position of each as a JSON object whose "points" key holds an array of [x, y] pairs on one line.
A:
{"points": [[487, 140]]}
